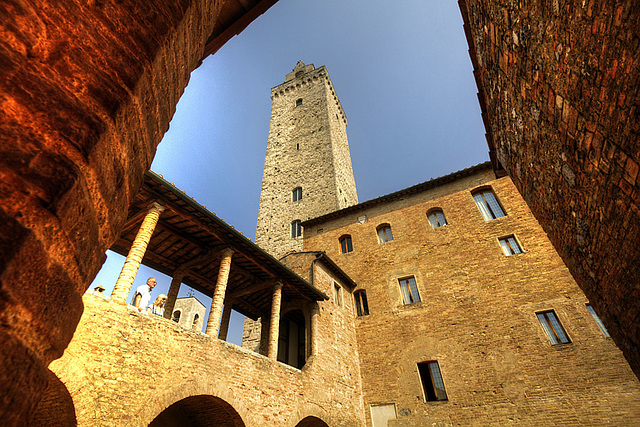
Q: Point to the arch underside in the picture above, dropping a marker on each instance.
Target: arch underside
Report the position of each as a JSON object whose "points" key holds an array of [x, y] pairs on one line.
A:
{"points": [[199, 411]]}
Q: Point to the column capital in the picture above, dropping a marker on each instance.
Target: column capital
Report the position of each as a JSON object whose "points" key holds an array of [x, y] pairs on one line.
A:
{"points": [[227, 252], [157, 206]]}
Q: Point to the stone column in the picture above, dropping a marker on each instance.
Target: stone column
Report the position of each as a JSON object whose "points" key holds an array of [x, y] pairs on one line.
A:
{"points": [[224, 324], [136, 253], [315, 312], [274, 327], [219, 293], [172, 294]]}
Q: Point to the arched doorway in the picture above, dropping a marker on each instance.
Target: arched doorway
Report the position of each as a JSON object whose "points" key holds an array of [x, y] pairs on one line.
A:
{"points": [[198, 411], [312, 422], [291, 339]]}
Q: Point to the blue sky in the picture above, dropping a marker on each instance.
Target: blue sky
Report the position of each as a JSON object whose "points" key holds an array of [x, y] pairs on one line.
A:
{"points": [[402, 73]]}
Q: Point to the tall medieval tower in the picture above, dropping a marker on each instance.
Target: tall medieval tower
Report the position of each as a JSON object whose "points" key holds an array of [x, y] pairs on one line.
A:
{"points": [[307, 168]]}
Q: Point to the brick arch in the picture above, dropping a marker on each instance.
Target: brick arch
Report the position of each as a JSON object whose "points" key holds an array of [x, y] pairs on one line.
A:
{"points": [[200, 411], [312, 421], [223, 400]]}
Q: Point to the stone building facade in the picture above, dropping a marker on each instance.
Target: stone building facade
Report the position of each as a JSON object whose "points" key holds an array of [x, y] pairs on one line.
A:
{"points": [[444, 290], [189, 313], [307, 133]]}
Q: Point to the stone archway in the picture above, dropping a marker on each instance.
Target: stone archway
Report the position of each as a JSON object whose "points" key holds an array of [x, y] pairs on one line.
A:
{"points": [[200, 411], [312, 422]]}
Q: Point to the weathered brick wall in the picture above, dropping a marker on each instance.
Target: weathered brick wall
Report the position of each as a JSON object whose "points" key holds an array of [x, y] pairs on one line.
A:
{"points": [[477, 316], [558, 84], [87, 91], [311, 136], [125, 368]]}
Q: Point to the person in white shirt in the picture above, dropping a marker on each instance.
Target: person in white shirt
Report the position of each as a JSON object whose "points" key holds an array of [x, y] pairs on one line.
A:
{"points": [[143, 294]]}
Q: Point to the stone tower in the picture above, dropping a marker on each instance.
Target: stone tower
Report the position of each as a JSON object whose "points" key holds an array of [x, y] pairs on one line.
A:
{"points": [[307, 168]]}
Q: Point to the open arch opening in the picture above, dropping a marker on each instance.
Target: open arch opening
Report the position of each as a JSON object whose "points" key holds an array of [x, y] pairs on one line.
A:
{"points": [[291, 340], [312, 422], [199, 411]]}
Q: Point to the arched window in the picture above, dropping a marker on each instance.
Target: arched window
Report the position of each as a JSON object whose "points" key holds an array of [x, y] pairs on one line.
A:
{"points": [[196, 321], [488, 204], [362, 306], [384, 233], [297, 194], [296, 228], [436, 218], [176, 316], [291, 340], [346, 245]]}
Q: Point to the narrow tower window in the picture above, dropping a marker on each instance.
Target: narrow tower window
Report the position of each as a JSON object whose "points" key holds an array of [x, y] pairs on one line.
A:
{"points": [[510, 246], [384, 233], [297, 194], [298, 102], [598, 321], [337, 294], [296, 228], [488, 204], [346, 245], [552, 327], [362, 306], [436, 218], [432, 383], [409, 290]]}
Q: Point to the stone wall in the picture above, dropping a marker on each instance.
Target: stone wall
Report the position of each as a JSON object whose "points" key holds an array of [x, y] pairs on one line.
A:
{"points": [[305, 138], [125, 368], [558, 84], [477, 316], [87, 91]]}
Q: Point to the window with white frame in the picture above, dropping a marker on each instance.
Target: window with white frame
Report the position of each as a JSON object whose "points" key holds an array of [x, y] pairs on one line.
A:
{"points": [[552, 327], [510, 245], [488, 204], [409, 290]]}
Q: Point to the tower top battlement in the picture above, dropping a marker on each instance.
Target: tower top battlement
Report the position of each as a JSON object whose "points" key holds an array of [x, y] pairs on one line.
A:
{"points": [[299, 70]]}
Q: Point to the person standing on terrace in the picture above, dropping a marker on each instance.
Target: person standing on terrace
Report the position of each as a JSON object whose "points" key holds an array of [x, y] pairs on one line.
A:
{"points": [[143, 294]]}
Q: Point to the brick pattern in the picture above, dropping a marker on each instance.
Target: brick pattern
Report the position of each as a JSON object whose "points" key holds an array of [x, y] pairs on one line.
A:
{"points": [[559, 90], [125, 368], [476, 316], [312, 135], [87, 90]]}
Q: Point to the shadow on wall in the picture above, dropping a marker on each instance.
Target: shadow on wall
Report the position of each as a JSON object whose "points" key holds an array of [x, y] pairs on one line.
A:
{"points": [[312, 422], [199, 411], [56, 407]]}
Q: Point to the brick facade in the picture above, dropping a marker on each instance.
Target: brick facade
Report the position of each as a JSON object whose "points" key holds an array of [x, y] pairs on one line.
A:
{"points": [[558, 85], [477, 315], [126, 368]]}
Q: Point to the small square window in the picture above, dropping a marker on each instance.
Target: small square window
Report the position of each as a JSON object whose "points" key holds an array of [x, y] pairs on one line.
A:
{"points": [[510, 245], [362, 306], [552, 327], [409, 290], [384, 233], [598, 321], [298, 102], [488, 205], [432, 382]]}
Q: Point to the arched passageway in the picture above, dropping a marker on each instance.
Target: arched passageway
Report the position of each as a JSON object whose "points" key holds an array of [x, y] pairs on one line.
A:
{"points": [[199, 411], [312, 422]]}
